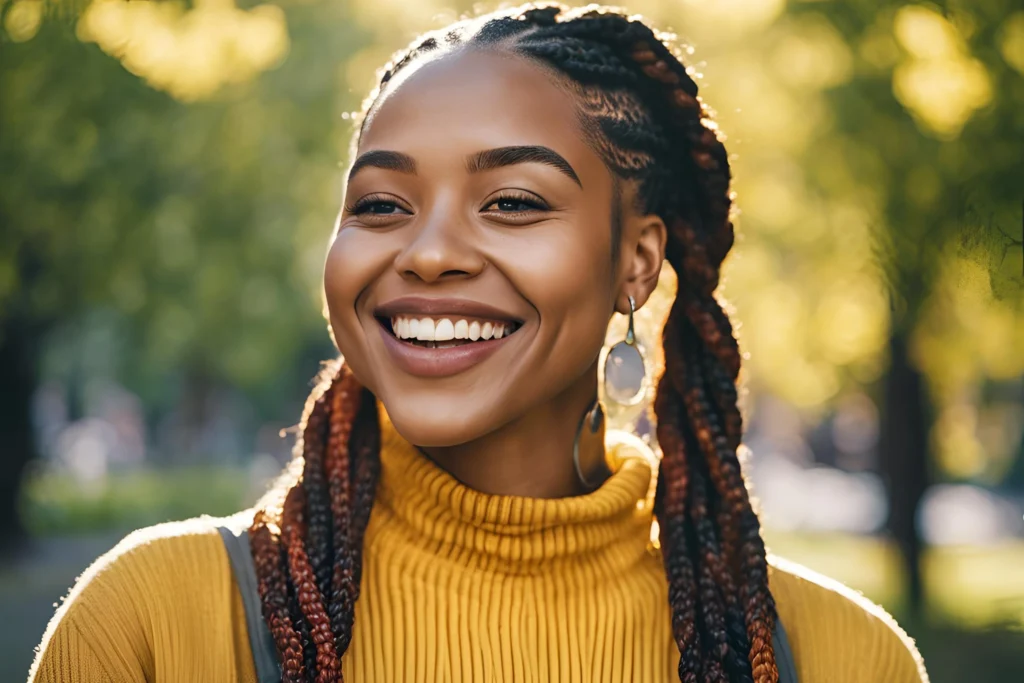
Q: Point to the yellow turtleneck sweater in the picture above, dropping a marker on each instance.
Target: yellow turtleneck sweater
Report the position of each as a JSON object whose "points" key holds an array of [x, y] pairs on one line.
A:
{"points": [[457, 586]]}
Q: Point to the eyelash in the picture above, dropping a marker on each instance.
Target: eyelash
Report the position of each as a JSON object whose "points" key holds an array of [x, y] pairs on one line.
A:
{"points": [[364, 205], [534, 202]]}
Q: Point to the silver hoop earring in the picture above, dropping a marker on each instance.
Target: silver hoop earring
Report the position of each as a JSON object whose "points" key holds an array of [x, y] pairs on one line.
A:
{"points": [[625, 375], [592, 421]]}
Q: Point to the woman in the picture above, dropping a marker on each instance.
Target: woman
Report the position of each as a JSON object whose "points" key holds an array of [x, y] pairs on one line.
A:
{"points": [[516, 179]]}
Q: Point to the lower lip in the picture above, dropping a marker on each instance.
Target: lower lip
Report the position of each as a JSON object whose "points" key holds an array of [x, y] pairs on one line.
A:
{"points": [[425, 362]]}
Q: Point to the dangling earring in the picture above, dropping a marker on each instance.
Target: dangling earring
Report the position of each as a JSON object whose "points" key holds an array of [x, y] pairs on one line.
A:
{"points": [[625, 374], [590, 426]]}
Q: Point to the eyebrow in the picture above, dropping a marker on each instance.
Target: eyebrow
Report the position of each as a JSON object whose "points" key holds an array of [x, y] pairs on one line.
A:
{"points": [[481, 161], [520, 154], [385, 159]]}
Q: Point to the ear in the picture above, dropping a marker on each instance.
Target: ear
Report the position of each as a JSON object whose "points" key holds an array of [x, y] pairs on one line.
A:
{"points": [[642, 260]]}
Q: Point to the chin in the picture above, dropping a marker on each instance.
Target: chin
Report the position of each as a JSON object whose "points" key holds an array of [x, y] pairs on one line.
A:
{"points": [[439, 423]]}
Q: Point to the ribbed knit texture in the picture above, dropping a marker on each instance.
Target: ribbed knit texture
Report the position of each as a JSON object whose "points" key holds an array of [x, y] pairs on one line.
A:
{"points": [[457, 586]]}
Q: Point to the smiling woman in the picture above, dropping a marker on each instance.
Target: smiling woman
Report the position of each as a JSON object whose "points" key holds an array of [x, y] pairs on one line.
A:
{"points": [[455, 510]]}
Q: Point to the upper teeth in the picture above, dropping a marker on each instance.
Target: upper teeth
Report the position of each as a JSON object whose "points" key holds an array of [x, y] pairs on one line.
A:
{"points": [[442, 329]]}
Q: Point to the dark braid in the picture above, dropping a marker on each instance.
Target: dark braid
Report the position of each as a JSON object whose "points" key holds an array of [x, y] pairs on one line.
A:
{"points": [[311, 611], [641, 112]]}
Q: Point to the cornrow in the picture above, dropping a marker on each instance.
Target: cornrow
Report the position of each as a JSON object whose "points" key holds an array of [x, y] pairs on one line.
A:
{"points": [[641, 111]]}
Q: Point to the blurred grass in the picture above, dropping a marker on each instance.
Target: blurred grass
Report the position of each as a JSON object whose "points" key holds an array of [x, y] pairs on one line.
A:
{"points": [[961, 655], [57, 505], [974, 587], [973, 630]]}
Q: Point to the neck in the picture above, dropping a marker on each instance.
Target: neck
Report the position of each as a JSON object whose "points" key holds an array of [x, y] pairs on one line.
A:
{"points": [[532, 456]]}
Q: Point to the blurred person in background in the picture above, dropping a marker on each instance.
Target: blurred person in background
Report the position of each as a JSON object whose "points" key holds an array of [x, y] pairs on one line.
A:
{"points": [[455, 509]]}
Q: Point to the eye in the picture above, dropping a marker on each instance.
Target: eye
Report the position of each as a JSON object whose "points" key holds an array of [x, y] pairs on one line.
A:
{"points": [[513, 205], [516, 203], [377, 205], [380, 208]]}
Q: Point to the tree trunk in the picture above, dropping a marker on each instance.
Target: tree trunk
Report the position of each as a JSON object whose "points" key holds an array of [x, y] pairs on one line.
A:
{"points": [[904, 459], [18, 377]]}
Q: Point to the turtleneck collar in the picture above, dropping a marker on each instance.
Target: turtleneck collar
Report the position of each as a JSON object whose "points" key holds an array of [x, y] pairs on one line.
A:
{"points": [[603, 532]]}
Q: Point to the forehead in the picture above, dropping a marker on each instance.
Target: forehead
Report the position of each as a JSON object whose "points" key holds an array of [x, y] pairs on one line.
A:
{"points": [[477, 99]]}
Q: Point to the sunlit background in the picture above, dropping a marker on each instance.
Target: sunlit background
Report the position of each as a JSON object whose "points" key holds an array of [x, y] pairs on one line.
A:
{"points": [[169, 173]]}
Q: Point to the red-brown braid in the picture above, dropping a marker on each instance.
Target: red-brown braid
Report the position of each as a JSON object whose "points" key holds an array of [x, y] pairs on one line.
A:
{"points": [[311, 615], [272, 584], [293, 535], [345, 397], [673, 484]]}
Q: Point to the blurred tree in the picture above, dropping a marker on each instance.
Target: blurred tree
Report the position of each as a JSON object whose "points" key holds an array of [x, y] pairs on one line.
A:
{"points": [[201, 225], [940, 109]]}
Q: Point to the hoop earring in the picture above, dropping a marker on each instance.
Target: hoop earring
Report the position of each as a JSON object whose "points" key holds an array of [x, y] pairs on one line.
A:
{"points": [[592, 421], [625, 374]]}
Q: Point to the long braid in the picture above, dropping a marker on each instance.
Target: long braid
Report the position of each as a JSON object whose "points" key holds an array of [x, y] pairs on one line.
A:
{"points": [[272, 584], [311, 601], [311, 613], [644, 117], [318, 500], [670, 506], [345, 400]]}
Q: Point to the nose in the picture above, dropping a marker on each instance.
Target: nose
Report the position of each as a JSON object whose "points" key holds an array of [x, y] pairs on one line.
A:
{"points": [[440, 247]]}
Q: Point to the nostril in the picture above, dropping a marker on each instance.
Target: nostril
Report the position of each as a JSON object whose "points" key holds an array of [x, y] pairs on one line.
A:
{"points": [[422, 276]]}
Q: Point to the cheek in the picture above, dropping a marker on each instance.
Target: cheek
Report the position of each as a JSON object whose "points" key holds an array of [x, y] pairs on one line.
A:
{"points": [[569, 280], [353, 264]]}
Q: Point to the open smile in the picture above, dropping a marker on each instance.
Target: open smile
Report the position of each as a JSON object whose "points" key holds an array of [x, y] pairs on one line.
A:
{"points": [[444, 332], [438, 337]]}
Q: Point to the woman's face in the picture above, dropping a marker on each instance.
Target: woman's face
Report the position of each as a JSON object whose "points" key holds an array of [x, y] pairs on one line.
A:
{"points": [[470, 280]]}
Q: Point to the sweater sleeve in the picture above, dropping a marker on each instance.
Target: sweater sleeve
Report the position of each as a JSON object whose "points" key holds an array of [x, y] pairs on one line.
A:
{"points": [[99, 633], [67, 657], [838, 635], [163, 595]]}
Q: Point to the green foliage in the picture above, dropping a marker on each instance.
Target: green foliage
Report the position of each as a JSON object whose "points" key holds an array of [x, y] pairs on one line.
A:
{"points": [[202, 226], [942, 184], [58, 505]]}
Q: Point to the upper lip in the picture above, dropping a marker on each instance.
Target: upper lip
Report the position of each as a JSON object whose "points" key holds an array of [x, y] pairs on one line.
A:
{"points": [[424, 306]]}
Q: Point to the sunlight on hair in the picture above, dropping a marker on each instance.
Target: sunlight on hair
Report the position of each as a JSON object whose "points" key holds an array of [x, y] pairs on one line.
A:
{"points": [[189, 53]]}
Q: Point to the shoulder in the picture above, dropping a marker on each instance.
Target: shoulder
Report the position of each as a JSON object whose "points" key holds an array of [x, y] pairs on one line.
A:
{"points": [[832, 627], [160, 557], [156, 577]]}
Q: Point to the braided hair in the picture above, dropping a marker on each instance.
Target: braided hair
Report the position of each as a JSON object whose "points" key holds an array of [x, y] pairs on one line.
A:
{"points": [[642, 114]]}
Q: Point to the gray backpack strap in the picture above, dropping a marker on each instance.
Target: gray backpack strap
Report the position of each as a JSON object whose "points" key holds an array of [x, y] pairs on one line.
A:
{"points": [[264, 652], [783, 654]]}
